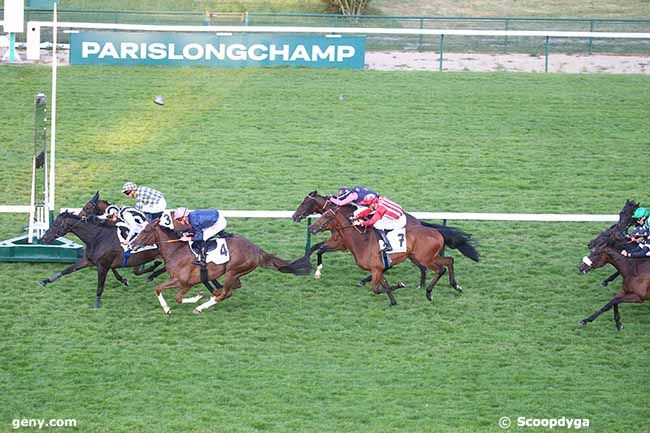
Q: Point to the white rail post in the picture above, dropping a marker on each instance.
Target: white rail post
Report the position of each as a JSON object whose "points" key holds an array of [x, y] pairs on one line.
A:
{"points": [[33, 41]]}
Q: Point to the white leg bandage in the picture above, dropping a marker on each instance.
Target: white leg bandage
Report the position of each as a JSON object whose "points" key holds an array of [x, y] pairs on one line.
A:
{"points": [[193, 299], [206, 305], [163, 304], [317, 273]]}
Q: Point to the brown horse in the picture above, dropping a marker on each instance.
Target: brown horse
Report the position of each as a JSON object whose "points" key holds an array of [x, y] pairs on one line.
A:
{"points": [[636, 279], [314, 203], [244, 258], [423, 247]]}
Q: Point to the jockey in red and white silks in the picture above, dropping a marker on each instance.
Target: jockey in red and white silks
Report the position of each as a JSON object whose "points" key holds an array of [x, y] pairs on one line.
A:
{"points": [[386, 215]]}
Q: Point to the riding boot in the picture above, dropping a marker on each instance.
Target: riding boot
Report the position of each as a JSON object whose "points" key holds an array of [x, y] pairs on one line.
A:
{"points": [[381, 234], [202, 254]]}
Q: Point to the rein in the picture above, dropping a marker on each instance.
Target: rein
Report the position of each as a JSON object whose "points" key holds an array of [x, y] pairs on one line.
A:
{"points": [[321, 207]]}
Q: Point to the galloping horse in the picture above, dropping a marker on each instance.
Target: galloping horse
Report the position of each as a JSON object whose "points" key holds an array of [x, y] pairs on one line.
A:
{"points": [[103, 250], [244, 258], [636, 278], [616, 232], [96, 207], [314, 203], [423, 247]]}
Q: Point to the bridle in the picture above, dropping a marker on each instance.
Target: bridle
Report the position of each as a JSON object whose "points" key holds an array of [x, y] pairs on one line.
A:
{"points": [[323, 206], [339, 228]]}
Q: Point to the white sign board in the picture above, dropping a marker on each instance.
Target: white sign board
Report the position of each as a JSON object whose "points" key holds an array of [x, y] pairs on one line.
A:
{"points": [[14, 16]]}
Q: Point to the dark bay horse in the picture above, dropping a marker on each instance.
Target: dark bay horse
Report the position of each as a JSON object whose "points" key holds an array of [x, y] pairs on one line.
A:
{"points": [[103, 249], [314, 203], [636, 278], [97, 207], [616, 233], [423, 248], [244, 258]]}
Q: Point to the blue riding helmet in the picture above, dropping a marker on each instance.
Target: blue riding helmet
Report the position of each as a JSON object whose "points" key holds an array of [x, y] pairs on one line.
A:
{"points": [[343, 192]]}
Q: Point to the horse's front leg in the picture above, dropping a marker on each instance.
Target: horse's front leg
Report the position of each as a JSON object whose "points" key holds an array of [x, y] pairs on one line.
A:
{"points": [[141, 269], [120, 278], [379, 280], [79, 264], [102, 271], [161, 299], [154, 274], [609, 279]]}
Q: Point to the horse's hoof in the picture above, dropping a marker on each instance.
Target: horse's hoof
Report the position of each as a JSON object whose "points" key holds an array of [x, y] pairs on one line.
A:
{"points": [[582, 323], [460, 289], [195, 311], [429, 297], [604, 283], [126, 282], [619, 326], [316, 276], [43, 283], [361, 283], [400, 285]]}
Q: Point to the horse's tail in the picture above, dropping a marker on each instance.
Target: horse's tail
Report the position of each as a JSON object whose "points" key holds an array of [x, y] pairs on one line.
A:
{"points": [[302, 266], [457, 240]]}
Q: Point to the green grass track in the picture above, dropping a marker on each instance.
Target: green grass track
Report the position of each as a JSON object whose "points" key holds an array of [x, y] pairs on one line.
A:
{"points": [[289, 354]]}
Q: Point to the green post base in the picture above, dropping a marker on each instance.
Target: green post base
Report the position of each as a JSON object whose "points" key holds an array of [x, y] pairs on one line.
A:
{"points": [[60, 251]]}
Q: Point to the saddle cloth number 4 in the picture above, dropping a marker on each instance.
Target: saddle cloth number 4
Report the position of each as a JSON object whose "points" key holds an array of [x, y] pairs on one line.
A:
{"points": [[220, 254], [397, 239]]}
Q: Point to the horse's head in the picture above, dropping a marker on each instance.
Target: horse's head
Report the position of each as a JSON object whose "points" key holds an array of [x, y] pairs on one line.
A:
{"points": [[332, 218], [94, 207], [597, 258], [63, 224], [312, 203], [625, 216], [148, 236]]}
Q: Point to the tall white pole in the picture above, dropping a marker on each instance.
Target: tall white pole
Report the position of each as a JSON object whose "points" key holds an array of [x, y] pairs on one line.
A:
{"points": [[53, 109]]}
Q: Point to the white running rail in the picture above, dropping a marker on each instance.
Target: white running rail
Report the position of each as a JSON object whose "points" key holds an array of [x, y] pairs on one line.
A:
{"points": [[452, 216]]}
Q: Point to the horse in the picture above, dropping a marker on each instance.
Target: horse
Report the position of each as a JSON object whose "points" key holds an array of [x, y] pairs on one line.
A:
{"points": [[423, 248], [314, 203], [103, 250], [636, 278], [616, 232], [96, 207], [244, 258]]}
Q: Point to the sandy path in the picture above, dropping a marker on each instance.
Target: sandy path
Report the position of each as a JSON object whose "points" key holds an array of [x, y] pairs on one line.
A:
{"points": [[474, 62]]}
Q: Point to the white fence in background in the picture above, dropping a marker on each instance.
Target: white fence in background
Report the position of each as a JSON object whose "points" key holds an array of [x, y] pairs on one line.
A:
{"points": [[34, 31], [450, 216]]}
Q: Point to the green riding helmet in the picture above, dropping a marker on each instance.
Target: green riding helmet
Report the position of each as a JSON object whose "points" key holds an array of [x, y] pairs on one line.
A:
{"points": [[641, 213]]}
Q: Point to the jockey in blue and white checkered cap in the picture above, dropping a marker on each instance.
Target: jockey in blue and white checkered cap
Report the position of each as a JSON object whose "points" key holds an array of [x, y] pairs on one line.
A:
{"points": [[150, 201]]}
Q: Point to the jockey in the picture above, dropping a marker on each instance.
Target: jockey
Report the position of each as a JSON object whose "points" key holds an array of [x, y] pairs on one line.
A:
{"points": [[352, 195], [148, 200], [640, 217], [205, 224], [386, 215], [642, 248]]}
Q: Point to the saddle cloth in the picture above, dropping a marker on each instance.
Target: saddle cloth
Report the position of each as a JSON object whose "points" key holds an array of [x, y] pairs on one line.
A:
{"points": [[397, 239], [218, 252], [131, 222]]}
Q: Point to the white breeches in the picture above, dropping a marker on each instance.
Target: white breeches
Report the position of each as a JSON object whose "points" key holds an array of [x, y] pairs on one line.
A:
{"points": [[215, 228], [387, 223]]}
